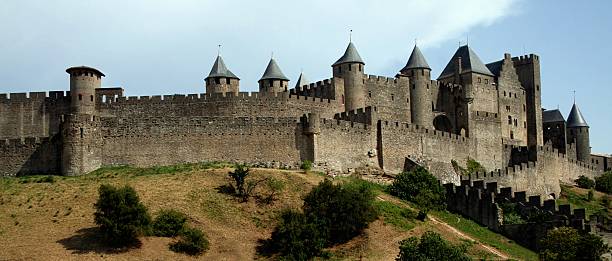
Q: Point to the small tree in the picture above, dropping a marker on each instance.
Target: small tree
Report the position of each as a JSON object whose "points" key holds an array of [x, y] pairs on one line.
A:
{"points": [[603, 183], [275, 186], [559, 244], [585, 182], [420, 187], [296, 237], [430, 247], [591, 247], [239, 175], [306, 165], [168, 223], [191, 241], [120, 215]]}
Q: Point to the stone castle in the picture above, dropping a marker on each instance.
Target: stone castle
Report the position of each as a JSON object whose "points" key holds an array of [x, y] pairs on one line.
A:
{"points": [[487, 112]]}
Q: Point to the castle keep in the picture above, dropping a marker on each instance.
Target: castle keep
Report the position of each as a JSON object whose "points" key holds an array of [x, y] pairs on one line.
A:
{"points": [[487, 112]]}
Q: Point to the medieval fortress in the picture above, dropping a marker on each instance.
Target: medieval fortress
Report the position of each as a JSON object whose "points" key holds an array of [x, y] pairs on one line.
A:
{"points": [[487, 112]]}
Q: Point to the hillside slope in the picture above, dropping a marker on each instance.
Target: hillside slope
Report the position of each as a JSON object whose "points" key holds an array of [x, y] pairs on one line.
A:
{"points": [[54, 220]]}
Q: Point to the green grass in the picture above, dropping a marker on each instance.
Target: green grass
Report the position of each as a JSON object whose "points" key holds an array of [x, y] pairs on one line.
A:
{"points": [[171, 169], [579, 200], [392, 214], [485, 235]]}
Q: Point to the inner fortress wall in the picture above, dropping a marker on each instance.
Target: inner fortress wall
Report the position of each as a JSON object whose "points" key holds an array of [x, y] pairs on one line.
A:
{"points": [[30, 156], [343, 145], [34, 114], [155, 141], [389, 97]]}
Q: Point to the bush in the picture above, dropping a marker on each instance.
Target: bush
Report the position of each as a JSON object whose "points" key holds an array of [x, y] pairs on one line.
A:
{"points": [[430, 247], [239, 176], [603, 183], [590, 195], [274, 186], [585, 182], [474, 166], [296, 237], [191, 241], [168, 223], [566, 243], [345, 210], [420, 187], [120, 215], [306, 165]]}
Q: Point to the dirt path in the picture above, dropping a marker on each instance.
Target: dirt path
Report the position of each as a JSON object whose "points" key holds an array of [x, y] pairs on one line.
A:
{"points": [[447, 227]]}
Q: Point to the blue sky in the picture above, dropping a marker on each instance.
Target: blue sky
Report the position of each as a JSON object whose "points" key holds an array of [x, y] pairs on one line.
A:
{"points": [[154, 47]]}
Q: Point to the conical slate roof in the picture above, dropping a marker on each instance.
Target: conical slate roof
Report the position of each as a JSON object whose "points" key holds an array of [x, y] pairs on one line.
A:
{"points": [[273, 72], [350, 56], [416, 60], [220, 70], [575, 118], [469, 63], [552, 116], [301, 81]]}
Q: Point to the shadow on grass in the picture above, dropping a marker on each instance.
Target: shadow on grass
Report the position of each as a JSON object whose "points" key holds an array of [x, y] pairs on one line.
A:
{"points": [[90, 240]]}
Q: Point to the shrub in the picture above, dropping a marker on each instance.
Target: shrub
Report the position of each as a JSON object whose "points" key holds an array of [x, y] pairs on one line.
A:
{"points": [[590, 195], [306, 165], [603, 183], [274, 186], [430, 247], [191, 241], [120, 215], [239, 176], [345, 210], [566, 243], [296, 237], [168, 223], [585, 182], [474, 166], [591, 247], [419, 187]]}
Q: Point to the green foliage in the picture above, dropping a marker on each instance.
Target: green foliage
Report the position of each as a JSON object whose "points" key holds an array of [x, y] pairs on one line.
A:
{"points": [[37, 179], [157, 170], [566, 243], [420, 187], [168, 223], [603, 183], [296, 237], [306, 165], [191, 241], [400, 217], [474, 166], [120, 215], [513, 218], [585, 182], [590, 195], [333, 214], [274, 187], [430, 247], [239, 175]]}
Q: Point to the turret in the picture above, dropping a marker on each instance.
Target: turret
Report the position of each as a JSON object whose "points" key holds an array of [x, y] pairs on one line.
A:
{"points": [[350, 68], [221, 79], [578, 133], [273, 80], [83, 83], [301, 81], [421, 103]]}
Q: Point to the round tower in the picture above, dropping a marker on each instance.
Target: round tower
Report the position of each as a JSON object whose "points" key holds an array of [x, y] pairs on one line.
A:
{"points": [[421, 103], [578, 132], [273, 80], [83, 83], [221, 79], [350, 68]]}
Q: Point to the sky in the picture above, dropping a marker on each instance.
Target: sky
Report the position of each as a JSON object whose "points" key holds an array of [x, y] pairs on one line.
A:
{"points": [[153, 47]]}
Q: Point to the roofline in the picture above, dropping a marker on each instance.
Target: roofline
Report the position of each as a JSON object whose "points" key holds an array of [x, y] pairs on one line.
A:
{"points": [[82, 67]]}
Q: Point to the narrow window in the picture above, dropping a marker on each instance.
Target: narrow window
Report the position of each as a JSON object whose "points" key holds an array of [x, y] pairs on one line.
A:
{"points": [[407, 100], [504, 93], [81, 130], [486, 81], [392, 97], [511, 135], [217, 81], [227, 80], [271, 82], [509, 120], [91, 97], [360, 67], [537, 87], [350, 67], [80, 97], [370, 94], [340, 69], [515, 122]]}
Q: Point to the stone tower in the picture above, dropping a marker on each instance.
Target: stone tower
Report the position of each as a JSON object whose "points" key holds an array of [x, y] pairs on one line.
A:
{"points": [[578, 133], [81, 136], [528, 70], [418, 71], [221, 79], [83, 84], [273, 80], [350, 68]]}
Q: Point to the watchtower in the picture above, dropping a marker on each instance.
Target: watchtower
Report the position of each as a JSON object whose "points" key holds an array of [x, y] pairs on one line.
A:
{"points": [[578, 133], [83, 84], [421, 104], [350, 68], [221, 79], [273, 80]]}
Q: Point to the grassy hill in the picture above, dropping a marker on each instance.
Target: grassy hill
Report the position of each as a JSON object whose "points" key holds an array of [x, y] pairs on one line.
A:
{"points": [[52, 218]]}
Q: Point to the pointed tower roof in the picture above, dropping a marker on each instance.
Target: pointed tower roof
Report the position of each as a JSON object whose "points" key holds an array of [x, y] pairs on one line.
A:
{"points": [[273, 72], [350, 56], [301, 81], [575, 118], [220, 70], [469, 63], [416, 60]]}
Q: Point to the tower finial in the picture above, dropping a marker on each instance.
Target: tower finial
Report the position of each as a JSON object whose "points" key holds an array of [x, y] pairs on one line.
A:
{"points": [[272, 55], [219, 50], [415, 41], [574, 96], [467, 39], [350, 35]]}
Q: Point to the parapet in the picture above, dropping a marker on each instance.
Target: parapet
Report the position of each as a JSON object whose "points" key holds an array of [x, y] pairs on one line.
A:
{"points": [[362, 115], [525, 59], [414, 128], [33, 96]]}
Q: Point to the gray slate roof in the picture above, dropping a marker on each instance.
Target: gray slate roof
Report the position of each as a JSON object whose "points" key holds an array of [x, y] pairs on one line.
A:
{"points": [[350, 56], [495, 67], [575, 118], [220, 70], [83, 67], [552, 116], [469, 63], [301, 81], [416, 60], [273, 72]]}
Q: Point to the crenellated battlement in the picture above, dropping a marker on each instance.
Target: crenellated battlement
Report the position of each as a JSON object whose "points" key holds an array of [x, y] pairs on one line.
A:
{"points": [[525, 59], [379, 79], [26, 141], [345, 125], [414, 128], [33, 96], [362, 115]]}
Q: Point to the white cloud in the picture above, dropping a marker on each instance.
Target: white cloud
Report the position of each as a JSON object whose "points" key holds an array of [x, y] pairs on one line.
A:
{"points": [[153, 47]]}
